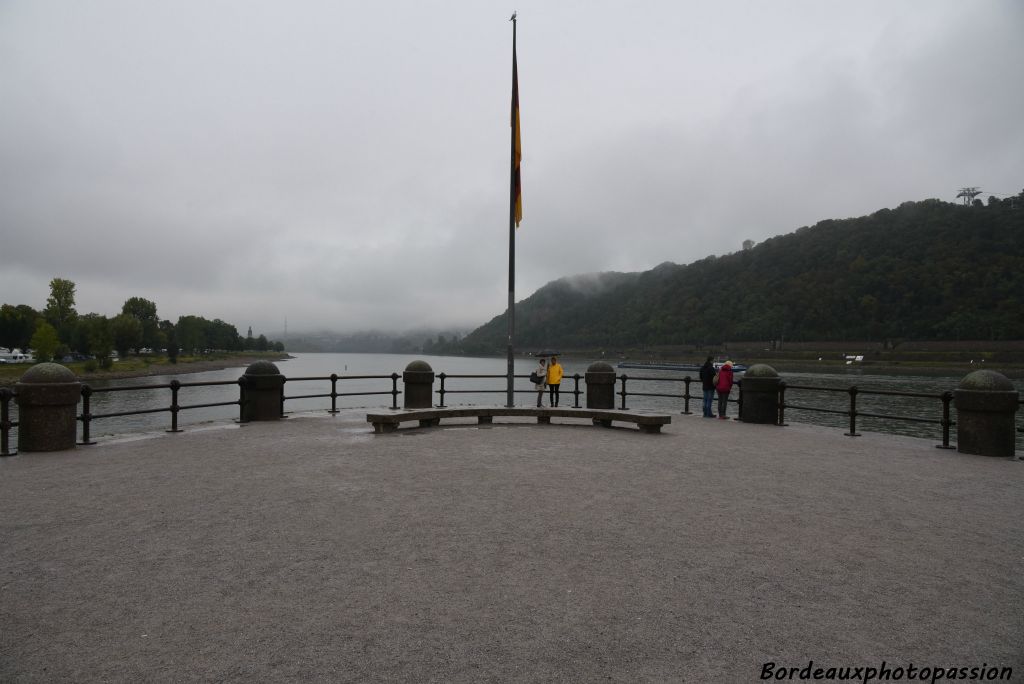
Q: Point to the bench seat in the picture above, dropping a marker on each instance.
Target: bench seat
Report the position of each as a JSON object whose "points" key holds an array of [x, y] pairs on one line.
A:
{"points": [[388, 421]]}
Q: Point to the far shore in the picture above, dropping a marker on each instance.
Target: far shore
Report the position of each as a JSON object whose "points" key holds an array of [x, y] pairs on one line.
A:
{"points": [[133, 367], [1012, 371], [157, 367]]}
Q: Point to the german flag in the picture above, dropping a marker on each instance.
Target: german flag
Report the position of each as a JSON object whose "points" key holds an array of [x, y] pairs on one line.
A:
{"points": [[517, 149]]}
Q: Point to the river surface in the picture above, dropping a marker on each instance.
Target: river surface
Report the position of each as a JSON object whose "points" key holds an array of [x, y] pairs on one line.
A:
{"points": [[492, 391]]}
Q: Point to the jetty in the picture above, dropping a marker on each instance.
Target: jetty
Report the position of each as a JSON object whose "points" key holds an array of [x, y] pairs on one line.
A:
{"points": [[312, 549]]}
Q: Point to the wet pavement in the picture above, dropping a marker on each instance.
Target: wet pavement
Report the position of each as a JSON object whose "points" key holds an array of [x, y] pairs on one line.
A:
{"points": [[311, 549]]}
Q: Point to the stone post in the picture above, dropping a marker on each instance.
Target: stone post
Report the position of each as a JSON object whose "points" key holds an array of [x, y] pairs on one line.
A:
{"points": [[986, 402], [47, 396], [419, 385], [600, 378], [759, 389], [262, 392]]}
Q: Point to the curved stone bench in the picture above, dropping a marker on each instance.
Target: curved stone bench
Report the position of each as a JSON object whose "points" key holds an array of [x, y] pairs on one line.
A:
{"points": [[388, 421]]}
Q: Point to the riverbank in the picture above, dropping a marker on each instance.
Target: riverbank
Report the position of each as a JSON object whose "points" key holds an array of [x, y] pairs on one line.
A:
{"points": [[142, 366], [789, 365]]}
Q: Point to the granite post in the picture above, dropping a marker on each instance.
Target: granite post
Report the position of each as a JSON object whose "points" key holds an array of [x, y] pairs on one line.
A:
{"points": [[759, 392], [600, 378], [986, 402], [47, 396], [262, 392], [419, 385]]}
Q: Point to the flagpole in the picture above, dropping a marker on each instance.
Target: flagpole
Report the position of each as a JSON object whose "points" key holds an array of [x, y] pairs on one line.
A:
{"points": [[510, 399]]}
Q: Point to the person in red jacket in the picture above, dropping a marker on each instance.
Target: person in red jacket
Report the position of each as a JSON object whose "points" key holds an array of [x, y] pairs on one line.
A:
{"points": [[724, 386]]}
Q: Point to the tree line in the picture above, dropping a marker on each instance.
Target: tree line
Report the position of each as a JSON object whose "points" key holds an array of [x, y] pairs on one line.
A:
{"points": [[59, 330], [927, 270]]}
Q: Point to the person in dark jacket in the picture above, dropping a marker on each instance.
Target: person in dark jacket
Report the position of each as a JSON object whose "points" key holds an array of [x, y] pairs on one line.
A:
{"points": [[724, 386], [707, 381]]}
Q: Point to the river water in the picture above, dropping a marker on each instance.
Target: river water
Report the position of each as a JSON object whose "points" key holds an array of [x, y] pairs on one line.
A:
{"points": [[492, 391]]}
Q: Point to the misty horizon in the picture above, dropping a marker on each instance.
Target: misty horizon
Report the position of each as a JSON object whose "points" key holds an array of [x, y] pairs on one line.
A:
{"points": [[346, 166]]}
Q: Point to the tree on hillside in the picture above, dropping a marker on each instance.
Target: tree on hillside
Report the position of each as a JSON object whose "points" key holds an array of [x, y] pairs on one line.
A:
{"points": [[127, 333], [94, 336], [144, 311], [60, 307], [222, 336], [17, 324], [44, 341], [169, 340], [191, 334], [910, 272]]}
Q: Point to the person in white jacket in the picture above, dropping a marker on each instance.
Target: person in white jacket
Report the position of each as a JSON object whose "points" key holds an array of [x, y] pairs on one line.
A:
{"points": [[542, 376]]}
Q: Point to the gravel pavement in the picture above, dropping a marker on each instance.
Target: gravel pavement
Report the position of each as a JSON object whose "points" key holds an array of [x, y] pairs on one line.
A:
{"points": [[310, 549]]}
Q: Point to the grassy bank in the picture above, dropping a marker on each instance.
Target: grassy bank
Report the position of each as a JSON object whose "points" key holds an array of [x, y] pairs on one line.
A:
{"points": [[142, 366]]}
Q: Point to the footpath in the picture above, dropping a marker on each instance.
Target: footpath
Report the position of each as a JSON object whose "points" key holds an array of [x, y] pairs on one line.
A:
{"points": [[310, 549]]}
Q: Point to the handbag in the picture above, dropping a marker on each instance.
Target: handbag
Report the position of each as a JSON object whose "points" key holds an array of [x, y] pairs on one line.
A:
{"points": [[534, 378], [714, 380]]}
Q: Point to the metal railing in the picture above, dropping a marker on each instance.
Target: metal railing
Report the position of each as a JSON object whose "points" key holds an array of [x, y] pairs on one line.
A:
{"points": [[5, 421], [86, 417], [851, 410], [334, 393], [443, 390], [685, 396], [945, 422]]}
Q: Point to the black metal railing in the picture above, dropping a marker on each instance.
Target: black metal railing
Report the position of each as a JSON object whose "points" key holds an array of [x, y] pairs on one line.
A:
{"points": [[334, 393], [850, 408], [5, 421], [87, 416], [685, 396], [444, 377], [852, 412]]}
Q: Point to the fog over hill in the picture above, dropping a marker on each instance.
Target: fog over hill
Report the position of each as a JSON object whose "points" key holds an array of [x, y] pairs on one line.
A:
{"points": [[925, 270]]}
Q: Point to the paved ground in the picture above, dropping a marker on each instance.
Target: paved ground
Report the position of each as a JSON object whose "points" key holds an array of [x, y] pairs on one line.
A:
{"points": [[311, 549]]}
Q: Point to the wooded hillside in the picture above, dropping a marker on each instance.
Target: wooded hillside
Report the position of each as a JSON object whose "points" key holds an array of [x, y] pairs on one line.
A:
{"points": [[925, 270]]}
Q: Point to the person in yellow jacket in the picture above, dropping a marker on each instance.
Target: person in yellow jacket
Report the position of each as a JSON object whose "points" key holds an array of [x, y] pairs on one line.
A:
{"points": [[555, 373]]}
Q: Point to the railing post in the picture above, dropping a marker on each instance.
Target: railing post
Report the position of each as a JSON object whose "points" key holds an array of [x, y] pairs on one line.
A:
{"points": [[334, 393], [739, 400], [441, 377], [284, 381], [947, 398], [853, 413], [686, 395], [394, 390], [623, 378], [782, 403], [242, 399], [5, 421], [86, 415], [576, 391], [175, 386]]}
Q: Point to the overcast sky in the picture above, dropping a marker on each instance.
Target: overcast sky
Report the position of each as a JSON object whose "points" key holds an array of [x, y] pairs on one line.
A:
{"points": [[344, 165]]}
